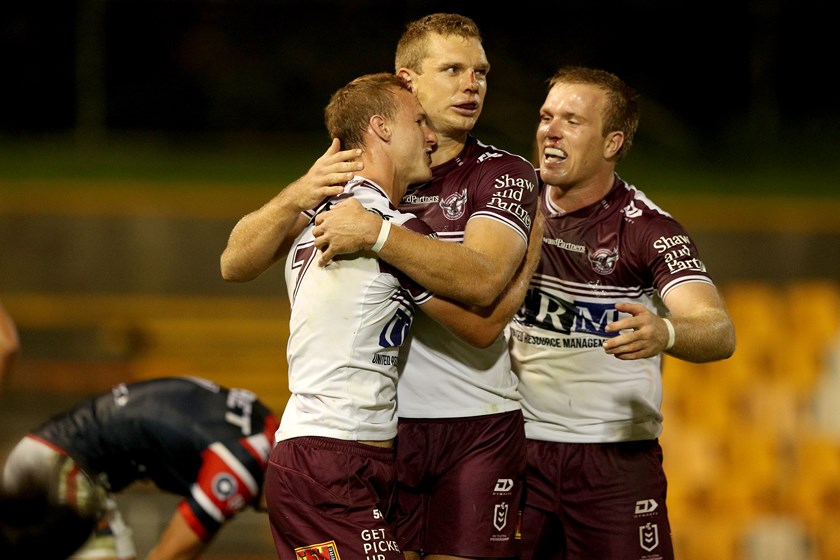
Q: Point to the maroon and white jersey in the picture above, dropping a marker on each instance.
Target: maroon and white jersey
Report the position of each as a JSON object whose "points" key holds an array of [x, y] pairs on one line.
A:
{"points": [[348, 320], [621, 249], [440, 375]]}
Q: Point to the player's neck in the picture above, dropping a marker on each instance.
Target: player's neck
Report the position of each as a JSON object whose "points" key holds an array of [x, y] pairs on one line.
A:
{"points": [[569, 198], [447, 148]]}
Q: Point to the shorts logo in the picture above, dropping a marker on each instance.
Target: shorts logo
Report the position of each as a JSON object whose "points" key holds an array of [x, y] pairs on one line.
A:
{"points": [[649, 536], [646, 506], [323, 551], [503, 485], [500, 516]]}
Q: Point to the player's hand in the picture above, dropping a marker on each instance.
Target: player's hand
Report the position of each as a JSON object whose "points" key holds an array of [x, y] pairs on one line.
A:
{"points": [[326, 177], [345, 228], [643, 334]]}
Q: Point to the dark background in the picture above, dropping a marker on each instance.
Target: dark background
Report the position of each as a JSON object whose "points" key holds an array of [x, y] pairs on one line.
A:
{"points": [[734, 81]]}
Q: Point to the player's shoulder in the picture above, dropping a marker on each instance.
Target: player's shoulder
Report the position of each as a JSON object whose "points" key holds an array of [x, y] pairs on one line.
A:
{"points": [[483, 152], [636, 205], [646, 220]]}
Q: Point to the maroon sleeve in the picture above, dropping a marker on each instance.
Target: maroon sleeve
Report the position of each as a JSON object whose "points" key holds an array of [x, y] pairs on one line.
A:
{"points": [[507, 192], [672, 256]]}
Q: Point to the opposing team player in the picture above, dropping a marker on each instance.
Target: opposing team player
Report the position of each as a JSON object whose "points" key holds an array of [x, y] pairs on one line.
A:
{"points": [[188, 436]]}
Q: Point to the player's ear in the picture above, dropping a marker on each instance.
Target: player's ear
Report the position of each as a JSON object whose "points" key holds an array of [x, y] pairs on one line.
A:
{"points": [[407, 76], [613, 143], [380, 128]]}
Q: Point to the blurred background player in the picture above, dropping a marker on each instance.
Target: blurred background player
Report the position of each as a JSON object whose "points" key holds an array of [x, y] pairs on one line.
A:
{"points": [[189, 436], [587, 344]]}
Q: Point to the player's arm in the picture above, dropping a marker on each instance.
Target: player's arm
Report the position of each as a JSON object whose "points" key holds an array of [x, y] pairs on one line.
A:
{"points": [[473, 272], [703, 330], [264, 236], [178, 542], [9, 345], [481, 326]]}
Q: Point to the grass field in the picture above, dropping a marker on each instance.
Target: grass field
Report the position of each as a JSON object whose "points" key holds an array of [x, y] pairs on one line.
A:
{"points": [[166, 163]]}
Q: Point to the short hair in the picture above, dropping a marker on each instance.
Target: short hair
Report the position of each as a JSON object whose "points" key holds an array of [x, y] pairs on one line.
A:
{"points": [[411, 48], [622, 111], [350, 108]]}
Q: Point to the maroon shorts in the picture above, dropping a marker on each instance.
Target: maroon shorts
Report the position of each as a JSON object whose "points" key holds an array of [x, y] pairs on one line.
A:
{"points": [[595, 500], [460, 484], [327, 499]]}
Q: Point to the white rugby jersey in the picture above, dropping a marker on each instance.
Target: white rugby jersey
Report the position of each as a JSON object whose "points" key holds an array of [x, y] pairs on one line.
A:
{"points": [[620, 249], [442, 376], [347, 321]]}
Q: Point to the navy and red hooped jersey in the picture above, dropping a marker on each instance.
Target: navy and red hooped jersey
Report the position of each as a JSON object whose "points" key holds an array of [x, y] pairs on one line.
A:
{"points": [[189, 436]]}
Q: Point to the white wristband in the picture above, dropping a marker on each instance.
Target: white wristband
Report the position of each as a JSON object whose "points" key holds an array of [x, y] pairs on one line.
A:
{"points": [[671, 334], [384, 230]]}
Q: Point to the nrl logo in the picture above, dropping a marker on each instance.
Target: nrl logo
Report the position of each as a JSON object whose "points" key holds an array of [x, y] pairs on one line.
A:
{"points": [[500, 516], [649, 536]]}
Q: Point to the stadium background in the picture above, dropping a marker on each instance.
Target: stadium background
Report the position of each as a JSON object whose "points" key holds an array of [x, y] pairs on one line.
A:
{"points": [[134, 134]]}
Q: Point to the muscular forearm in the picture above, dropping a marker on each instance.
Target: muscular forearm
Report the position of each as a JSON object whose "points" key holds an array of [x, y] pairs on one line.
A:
{"points": [[178, 542], [703, 337], [473, 272], [259, 239], [453, 270], [265, 235]]}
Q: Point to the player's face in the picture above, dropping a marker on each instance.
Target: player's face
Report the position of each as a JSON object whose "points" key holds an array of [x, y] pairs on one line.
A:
{"points": [[572, 149], [413, 142], [452, 83]]}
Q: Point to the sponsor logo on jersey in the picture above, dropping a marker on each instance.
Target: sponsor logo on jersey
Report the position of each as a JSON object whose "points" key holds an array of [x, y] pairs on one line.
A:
{"points": [[323, 551], [417, 199], [560, 244], [396, 330], [665, 243], [377, 541], [513, 184], [385, 360], [556, 314]]}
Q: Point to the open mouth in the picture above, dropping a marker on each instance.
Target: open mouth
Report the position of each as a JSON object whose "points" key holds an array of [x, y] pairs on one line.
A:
{"points": [[553, 154]]}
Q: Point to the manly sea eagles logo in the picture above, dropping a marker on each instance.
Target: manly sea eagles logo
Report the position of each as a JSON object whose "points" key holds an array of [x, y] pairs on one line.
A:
{"points": [[454, 205], [603, 260]]}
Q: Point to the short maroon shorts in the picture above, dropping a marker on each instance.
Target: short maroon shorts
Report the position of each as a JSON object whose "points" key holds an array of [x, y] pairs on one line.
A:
{"points": [[595, 500], [460, 484], [327, 498]]}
